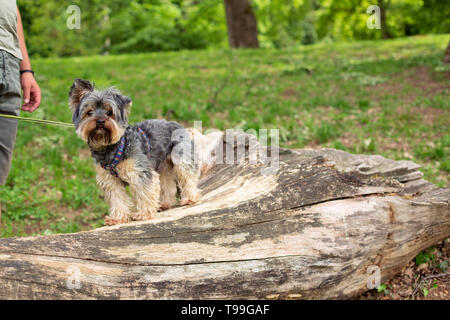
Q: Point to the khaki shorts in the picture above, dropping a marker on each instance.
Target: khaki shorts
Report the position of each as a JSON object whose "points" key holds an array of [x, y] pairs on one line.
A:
{"points": [[10, 101]]}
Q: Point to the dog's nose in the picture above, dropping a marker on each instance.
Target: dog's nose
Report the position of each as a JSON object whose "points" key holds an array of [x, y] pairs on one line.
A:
{"points": [[100, 122]]}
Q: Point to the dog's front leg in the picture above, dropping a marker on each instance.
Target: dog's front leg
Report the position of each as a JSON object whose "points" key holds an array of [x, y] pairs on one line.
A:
{"points": [[144, 186], [116, 195], [146, 194]]}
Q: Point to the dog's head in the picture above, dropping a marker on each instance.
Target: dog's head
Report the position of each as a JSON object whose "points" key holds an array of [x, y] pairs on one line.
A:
{"points": [[100, 117]]}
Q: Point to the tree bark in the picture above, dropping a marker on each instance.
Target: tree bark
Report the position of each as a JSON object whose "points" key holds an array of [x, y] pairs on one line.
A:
{"points": [[447, 54], [384, 28], [314, 229], [242, 24]]}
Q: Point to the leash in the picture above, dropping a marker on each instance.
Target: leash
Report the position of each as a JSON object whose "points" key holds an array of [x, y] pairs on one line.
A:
{"points": [[40, 121], [117, 157]]}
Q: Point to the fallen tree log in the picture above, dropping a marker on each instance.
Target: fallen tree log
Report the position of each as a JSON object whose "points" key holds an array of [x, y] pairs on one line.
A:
{"points": [[325, 225]]}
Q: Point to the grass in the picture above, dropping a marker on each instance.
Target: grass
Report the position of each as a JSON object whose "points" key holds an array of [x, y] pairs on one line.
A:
{"points": [[384, 97]]}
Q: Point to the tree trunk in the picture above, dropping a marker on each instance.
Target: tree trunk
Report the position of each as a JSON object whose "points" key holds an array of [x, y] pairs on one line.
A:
{"points": [[384, 28], [447, 54], [242, 24], [314, 229]]}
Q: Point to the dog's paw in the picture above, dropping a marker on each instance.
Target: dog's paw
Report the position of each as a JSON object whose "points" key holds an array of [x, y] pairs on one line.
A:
{"points": [[109, 221], [141, 216], [190, 200], [165, 206]]}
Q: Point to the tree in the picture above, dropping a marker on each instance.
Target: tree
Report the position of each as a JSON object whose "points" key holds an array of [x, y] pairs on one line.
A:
{"points": [[447, 54], [384, 28], [242, 24]]}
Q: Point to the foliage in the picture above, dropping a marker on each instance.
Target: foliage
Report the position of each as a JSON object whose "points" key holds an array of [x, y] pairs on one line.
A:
{"points": [[347, 19], [443, 265], [382, 288], [165, 25], [47, 33], [122, 26], [424, 257], [282, 23], [127, 26]]}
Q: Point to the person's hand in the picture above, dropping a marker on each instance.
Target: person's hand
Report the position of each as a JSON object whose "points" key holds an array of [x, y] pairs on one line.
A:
{"points": [[31, 92]]}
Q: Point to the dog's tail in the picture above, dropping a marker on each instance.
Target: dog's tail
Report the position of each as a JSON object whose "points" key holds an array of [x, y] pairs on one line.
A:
{"points": [[205, 147]]}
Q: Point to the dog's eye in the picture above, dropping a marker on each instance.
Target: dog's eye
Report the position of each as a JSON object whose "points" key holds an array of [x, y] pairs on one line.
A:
{"points": [[90, 113], [109, 113]]}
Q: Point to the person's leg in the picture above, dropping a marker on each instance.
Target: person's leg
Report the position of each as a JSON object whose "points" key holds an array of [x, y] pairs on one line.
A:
{"points": [[10, 99], [8, 130]]}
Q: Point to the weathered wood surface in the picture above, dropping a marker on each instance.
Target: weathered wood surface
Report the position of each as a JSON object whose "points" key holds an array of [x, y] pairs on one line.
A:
{"points": [[309, 231]]}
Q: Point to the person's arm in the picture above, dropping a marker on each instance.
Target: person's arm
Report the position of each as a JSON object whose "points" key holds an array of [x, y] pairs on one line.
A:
{"points": [[31, 90]]}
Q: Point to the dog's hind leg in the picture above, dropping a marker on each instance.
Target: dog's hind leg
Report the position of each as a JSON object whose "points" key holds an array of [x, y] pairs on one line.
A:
{"points": [[187, 171], [188, 181], [168, 183]]}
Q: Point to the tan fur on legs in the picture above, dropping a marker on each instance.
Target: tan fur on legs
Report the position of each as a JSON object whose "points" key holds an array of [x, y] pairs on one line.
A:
{"points": [[208, 148], [168, 184], [116, 195], [188, 181], [145, 189], [147, 198]]}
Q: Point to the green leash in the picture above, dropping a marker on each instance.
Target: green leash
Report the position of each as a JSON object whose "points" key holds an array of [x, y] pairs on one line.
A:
{"points": [[41, 121]]}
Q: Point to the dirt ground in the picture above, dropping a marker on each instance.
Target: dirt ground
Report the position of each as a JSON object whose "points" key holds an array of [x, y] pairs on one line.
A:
{"points": [[427, 281]]}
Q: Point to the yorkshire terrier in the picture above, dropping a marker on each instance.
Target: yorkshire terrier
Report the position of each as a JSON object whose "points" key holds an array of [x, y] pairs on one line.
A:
{"points": [[151, 156]]}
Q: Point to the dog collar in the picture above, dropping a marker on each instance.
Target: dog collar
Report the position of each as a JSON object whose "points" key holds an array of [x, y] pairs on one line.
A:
{"points": [[145, 137], [112, 166]]}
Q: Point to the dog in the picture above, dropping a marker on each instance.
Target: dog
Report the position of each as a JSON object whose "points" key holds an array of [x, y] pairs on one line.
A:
{"points": [[151, 157]]}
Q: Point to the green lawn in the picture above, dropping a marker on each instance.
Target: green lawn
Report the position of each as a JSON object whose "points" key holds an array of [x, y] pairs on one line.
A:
{"points": [[385, 97]]}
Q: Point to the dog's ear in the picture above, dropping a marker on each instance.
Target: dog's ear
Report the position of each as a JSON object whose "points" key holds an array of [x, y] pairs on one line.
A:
{"points": [[78, 90], [125, 103]]}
